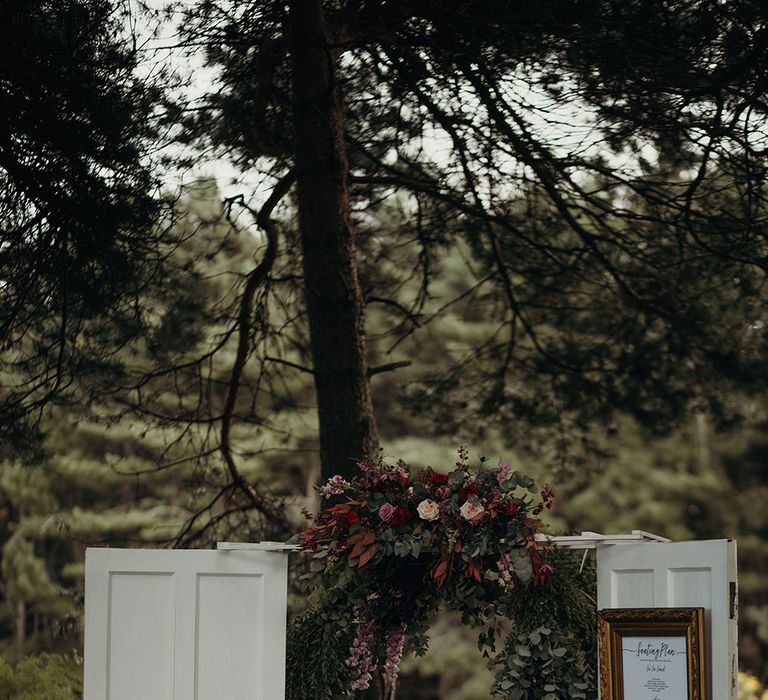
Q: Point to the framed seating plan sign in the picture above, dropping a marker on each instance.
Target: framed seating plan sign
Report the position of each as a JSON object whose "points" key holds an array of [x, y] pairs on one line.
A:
{"points": [[652, 653]]}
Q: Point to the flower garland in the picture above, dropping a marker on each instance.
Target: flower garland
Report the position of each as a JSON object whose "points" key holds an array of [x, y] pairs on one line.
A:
{"points": [[396, 545]]}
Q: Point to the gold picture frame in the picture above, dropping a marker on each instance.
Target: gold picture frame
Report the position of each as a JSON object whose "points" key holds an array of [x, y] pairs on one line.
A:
{"points": [[641, 653]]}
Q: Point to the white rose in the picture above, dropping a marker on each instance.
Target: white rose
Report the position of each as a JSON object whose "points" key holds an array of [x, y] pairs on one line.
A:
{"points": [[428, 510], [472, 512]]}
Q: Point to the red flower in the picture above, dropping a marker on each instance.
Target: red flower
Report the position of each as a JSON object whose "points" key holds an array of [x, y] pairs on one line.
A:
{"points": [[401, 516], [470, 488], [351, 518], [309, 541], [438, 479], [545, 570], [503, 507], [547, 496]]}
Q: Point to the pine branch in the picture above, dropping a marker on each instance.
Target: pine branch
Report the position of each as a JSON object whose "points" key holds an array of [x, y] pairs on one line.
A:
{"points": [[256, 278]]}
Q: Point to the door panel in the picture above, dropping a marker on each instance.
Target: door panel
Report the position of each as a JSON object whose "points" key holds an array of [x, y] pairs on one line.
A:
{"points": [[185, 624], [680, 574]]}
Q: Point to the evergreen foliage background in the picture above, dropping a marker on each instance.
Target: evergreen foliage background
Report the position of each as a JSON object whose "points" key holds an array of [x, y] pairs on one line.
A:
{"points": [[604, 331], [99, 481]]}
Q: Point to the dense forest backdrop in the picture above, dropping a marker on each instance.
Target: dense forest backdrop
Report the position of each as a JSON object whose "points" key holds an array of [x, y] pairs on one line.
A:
{"points": [[99, 481], [536, 231]]}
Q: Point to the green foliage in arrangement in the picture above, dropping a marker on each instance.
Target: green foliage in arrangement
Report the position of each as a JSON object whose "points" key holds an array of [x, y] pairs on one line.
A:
{"points": [[317, 649], [542, 665], [552, 652], [565, 601], [44, 677], [553, 620]]}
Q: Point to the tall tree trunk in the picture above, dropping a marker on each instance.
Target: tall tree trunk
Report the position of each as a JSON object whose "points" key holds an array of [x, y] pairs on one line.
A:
{"points": [[332, 286]]}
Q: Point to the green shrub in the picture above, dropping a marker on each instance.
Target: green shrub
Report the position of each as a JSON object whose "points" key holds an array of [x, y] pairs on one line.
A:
{"points": [[43, 677]]}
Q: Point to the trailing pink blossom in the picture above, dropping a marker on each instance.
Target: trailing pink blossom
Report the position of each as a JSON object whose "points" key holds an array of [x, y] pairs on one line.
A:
{"points": [[395, 644], [363, 683], [506, 572], [360, 655]]}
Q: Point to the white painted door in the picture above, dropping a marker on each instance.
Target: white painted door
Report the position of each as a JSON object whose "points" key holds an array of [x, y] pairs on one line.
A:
{"points": [[185, 624], [680, 575]]}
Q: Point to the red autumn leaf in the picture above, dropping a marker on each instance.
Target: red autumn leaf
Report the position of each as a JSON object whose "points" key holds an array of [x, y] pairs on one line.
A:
{"points": [[473, 570], [440, 572], [358, 549], [338, 509], [368, 555], [344, 507], [368, 538]]}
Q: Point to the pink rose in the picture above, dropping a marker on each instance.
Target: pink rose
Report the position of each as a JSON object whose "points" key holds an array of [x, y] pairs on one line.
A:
{"points": [[428, 510], [472, 512], [442, 492], [386, 512]]}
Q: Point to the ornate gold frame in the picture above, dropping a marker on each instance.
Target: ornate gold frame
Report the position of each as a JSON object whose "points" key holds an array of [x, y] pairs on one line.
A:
{"points": [[616, 623]]}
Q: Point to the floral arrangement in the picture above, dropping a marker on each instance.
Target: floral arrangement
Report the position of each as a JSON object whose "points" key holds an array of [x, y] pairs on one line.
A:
{"points": [[394, 545]]}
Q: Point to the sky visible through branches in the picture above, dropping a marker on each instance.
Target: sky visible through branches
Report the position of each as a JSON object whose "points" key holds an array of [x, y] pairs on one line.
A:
{"points": [[567, 125]]}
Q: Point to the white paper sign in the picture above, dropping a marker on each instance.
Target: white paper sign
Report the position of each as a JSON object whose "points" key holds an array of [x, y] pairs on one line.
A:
{"points": [[654, 668]]}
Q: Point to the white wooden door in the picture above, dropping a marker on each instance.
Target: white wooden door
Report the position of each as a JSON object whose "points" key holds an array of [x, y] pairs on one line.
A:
{"points": [[185, 624], [680, 575]]}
